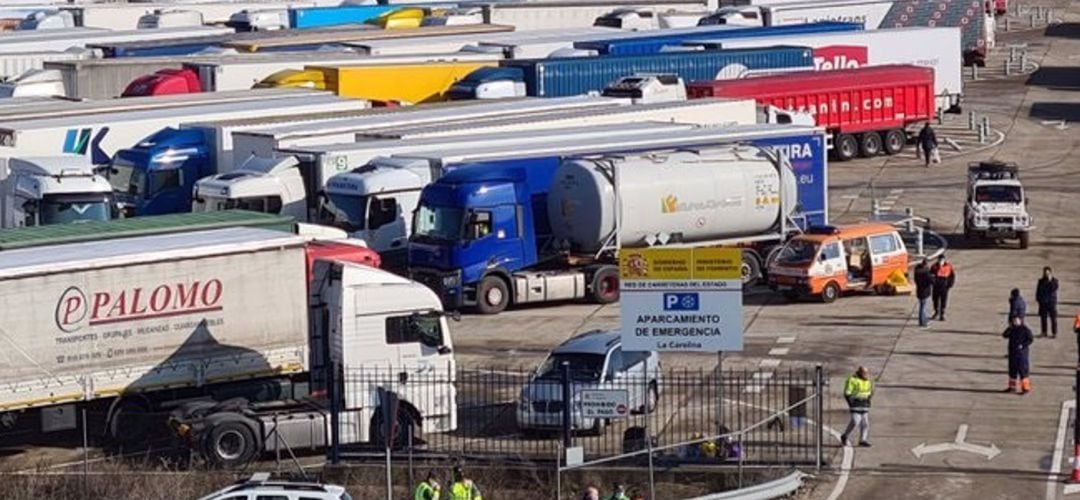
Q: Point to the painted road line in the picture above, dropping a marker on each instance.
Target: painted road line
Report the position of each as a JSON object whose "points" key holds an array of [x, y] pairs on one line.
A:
{"points": [[769, 363], [1059, 449], [779, 351], [845, 467], [785, 340]]}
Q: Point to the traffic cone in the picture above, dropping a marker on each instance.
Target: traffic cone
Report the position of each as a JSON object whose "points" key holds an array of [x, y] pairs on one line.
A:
{"points": [[1076, 466]]}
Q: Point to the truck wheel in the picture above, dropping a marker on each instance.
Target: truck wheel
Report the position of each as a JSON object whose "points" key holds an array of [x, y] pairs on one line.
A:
{"points": [[895, 140], [1025, 239], [870, 145], [492, 296], [605, 285], [400, 439], [830, 293], [845, 147], [130, 423], [751, 269], [230, 445]]}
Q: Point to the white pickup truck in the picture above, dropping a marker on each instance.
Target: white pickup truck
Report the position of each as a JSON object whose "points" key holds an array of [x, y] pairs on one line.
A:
{"points": [[996, 205]]}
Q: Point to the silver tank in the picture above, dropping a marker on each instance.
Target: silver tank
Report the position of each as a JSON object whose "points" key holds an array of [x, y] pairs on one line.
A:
{"points": [[674, 197]]}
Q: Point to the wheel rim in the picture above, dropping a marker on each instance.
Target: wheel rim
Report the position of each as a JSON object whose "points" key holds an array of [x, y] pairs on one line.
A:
{"points": [[848, 148], [230, 445], [873, 144], [747, 272], [494, 296], [608, 286], [894, 143], [830, 292]]}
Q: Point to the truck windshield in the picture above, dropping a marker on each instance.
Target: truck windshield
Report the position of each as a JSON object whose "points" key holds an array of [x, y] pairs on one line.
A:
{"points": [[586, 367], [797, 252], [125, 178], [208, 204], [350, 210], [439, 223], [998, 194], [61, 209]]}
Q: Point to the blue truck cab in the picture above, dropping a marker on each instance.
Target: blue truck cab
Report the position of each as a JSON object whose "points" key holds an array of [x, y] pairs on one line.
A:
{"points": [[477, 225], [158, 174]]}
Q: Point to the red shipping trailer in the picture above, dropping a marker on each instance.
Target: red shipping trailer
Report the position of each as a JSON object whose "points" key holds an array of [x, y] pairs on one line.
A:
{"points": [[866, 110]]}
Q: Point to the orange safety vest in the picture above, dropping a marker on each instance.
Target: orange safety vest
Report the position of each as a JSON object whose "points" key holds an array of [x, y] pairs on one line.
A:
{"points": [[1076, 323], [944, 270]]}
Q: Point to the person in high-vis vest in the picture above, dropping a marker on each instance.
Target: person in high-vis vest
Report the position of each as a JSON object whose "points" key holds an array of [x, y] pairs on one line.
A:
{"points": [[1076, 330], [463, 488], [428, 489], [858, 389], [944, 279], [618, 492]]}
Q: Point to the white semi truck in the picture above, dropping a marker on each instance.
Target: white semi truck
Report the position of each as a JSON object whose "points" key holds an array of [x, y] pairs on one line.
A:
{"points": [[240, 332], [53, 190]]}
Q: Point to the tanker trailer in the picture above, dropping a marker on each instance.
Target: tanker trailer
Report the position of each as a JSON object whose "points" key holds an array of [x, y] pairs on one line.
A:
{"points": [[515, 232]]}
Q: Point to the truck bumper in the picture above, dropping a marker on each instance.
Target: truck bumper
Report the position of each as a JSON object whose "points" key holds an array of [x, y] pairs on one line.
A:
{"points": [[445, 284], [789, 285]]}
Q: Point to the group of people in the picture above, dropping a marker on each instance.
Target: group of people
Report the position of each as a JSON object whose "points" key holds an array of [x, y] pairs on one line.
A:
{"points": [[933, 281], [462, 487], [618, 492]]}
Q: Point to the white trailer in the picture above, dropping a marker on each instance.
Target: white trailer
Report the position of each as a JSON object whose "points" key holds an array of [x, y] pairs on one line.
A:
{"points": [[132, 328], [106, 78], [264, 142], [547, 15], [56, 40], [457, 43], [937, 48], [125, 16], [18, 62], [542, 44], [100, 135]]}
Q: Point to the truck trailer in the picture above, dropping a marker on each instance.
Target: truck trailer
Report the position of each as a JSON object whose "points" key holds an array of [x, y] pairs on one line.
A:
{"points": [[15, 63], [970, 16], [64, 39], [849, 50], [415, 83], [575, 214], [571, 76], [192, 153], [301, 40], [131, 328], [867, 111], [659, 41]]}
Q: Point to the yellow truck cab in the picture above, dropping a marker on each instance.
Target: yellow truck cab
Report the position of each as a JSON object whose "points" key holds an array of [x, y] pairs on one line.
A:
{"points": [[409, 17], [826, 261], [294, 78]]}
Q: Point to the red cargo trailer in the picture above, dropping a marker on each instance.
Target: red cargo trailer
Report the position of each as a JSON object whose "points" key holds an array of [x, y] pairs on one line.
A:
{"points": [[866, 110]]}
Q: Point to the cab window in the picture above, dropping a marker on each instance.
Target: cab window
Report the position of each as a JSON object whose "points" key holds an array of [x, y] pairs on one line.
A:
{"points": [[161, 180], [423, 328], [381, 212], [883, 244], [479, 225], [830, 251], [615, 362]]}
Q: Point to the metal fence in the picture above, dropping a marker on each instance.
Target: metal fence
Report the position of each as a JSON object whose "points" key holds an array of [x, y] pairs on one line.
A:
{"points": [[509, 415]]}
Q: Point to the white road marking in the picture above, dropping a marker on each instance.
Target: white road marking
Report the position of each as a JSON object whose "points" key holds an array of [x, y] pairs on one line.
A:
{"points": [[769, 363], [958, 444], [1059, 449], [785, 340], [762, 375], [779, 351], [845, 467]]}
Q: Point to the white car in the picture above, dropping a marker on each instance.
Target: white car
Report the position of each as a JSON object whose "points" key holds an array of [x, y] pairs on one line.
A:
{"points": [[261, 487]]}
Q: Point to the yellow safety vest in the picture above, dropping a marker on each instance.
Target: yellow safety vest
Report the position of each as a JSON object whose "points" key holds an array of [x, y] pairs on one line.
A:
{"points": [[858, 388], [425, 491], [464, 490]]}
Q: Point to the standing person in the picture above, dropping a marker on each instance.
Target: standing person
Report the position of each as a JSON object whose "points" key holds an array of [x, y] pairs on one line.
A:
{"points": [[1076, 330], [858, 389], [428, 489], [1020, 339], [463, 488], [618, 492], [924, 286], [1017, 306], [591, 493], [944, 279], [1046, 296], [928, 143]]}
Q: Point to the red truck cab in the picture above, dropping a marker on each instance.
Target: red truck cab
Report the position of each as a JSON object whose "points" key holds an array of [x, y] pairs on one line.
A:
{"points": [[167, 81], [336, 250]]}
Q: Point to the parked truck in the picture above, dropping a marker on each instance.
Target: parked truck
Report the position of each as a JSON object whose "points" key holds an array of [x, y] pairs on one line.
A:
{"points": [[573, 216], [301, 40], [570, 76], [403, 83], [553, 15], [305, 18], [189, 152], [968, 15], [867, 111], [57, 189], [659, 41], [16, 63], [105, 78], [850, 50], [173, 328], [82, 37]]}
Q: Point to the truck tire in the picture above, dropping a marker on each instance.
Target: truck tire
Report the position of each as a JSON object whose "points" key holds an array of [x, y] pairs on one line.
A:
{"points": [[830, 293], [1025, 240], [845, 147], [870, 144], [400, 440], [751, 269], [492, 296], [895, 140], [131, 423], [604, 288], [230, 444]]}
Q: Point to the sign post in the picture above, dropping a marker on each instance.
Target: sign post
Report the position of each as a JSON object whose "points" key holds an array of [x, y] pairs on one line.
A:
{"points": [[681, 299]]}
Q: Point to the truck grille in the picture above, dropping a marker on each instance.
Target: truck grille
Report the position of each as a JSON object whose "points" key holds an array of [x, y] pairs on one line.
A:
{"points": [[1001, 220], [547, 406]]}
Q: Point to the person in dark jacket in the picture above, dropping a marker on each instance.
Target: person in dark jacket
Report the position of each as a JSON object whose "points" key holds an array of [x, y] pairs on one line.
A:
{"points": [[928, 142], [1017, 306], [944, 279], [1046, 296], [1020, 339], [924, 286]]}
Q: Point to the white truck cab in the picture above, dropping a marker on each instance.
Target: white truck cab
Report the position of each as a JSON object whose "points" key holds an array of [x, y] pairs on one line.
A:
{"points": [[34, 82], [53, 190], [268, 185], [648, 88], [259, 20], [638, 19], [996, 205], [169, 19], [47, 20], [462, 16], [747, 15]]}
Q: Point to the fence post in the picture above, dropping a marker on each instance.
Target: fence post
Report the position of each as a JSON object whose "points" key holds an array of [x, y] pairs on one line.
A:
{"points": [[819, 393], [86, 454], [335, 408], [567, 425]]}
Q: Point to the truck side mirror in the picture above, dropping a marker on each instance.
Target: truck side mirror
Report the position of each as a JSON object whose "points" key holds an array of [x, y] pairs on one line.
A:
{"points": [[444, 350]]}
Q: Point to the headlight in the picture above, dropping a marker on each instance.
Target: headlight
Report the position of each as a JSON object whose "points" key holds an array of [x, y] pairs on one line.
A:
{"points": [[450, 281]]}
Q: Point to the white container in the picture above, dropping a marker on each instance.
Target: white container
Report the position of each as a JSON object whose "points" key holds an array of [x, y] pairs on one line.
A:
{"points": [[169, 19], [19, 62], [57, 40], [552, 15], [96, 319], [689, 196]]}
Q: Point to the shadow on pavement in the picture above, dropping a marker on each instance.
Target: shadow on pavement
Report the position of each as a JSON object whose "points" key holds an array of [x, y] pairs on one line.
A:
{"points": [[1068, 111], [939, 388], [1056, 78], [1011, 473], [950, 354], [1064, 30]]}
